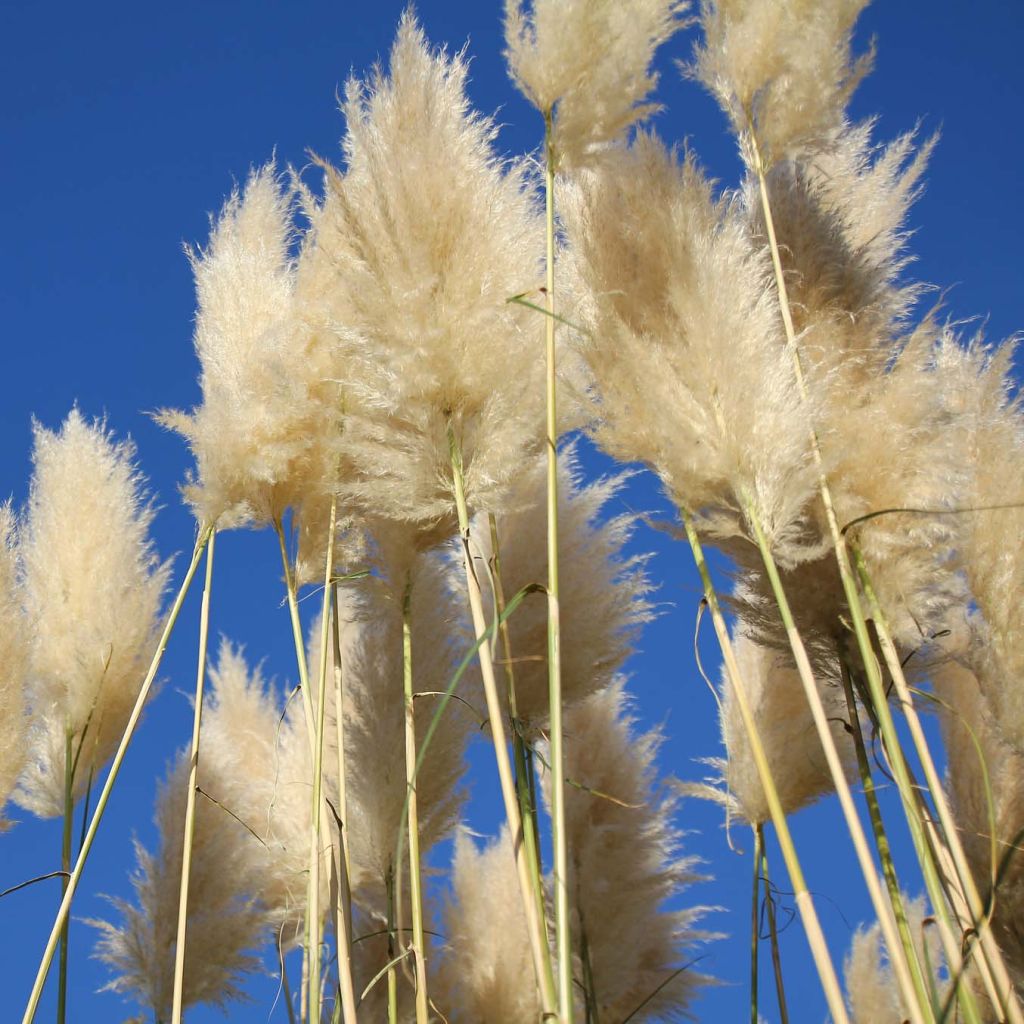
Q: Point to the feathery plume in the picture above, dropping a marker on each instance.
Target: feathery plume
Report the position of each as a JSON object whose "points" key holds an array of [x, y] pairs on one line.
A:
{"points": [[684, 329], [485, 973], [625, 864], [92, 586], [981, 390], [604, 592], [14, 656], [412, 255], [226, 924], [263, 436], [590, 62], [786, 728], [780, 69], [872, 992]]}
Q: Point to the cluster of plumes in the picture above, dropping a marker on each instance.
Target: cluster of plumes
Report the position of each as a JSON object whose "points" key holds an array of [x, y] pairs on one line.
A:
{"points": [[782, 70], [335, 363], [872, 993], [91, 587], [589, 63], [14, 654], [786, 728], [251, 847], [603, 591], [625, 865]]}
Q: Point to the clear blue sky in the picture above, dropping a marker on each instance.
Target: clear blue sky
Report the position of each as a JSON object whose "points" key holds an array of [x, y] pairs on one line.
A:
{"points": [[123, 125]]}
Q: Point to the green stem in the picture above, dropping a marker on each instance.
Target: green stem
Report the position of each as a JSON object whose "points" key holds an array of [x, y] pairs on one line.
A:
{"points": [[190, 793], [415, 883], [108, 785], [882, 838], [523, 763], [539, 950], [755, 923], [563, 937], [805, 903], [65, 863], [773, 932]]}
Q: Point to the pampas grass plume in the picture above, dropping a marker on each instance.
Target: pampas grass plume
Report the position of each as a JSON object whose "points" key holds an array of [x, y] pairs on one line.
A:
{"points": [[93, 586], [590, 61]]}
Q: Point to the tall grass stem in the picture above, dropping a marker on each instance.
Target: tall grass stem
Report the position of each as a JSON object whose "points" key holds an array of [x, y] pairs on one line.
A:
{"points": [[563, 935], [539, 950], [190, 793]]}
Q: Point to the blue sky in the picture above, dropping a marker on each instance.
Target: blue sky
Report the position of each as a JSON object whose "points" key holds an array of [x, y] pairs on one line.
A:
{"points": [[124, 125]]}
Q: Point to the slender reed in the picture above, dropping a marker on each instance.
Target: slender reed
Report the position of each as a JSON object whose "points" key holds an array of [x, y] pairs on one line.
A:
{"points": [[538, 940], [108, 785], [773, 931], [65, 864], [804, 901], [523, 761], [300, 650], [563, 935], [755, 922], [343, 919], [314, 920], [415, 883], [190, 795], [882, 839]]}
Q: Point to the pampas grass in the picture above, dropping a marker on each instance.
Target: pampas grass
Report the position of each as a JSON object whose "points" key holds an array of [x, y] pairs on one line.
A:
{"points": [[387, 376]]}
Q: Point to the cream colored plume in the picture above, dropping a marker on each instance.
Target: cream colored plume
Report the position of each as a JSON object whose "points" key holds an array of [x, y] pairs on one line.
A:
{"points": [[603, 591], [625, 863], [14, 655], [92, 589], [781, 69], [264, 435], [872, 992], [684, 332], [786, 727], [589, 61], [405, 276], [484, 974], [226, 923], [981, 388]]}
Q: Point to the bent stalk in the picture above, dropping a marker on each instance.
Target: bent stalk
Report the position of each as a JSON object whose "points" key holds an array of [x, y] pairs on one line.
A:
{"points": [[538, 942]]}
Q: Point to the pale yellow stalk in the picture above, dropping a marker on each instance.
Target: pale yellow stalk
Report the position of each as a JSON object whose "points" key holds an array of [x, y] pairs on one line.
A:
{"points": [[415, 883], [538, 940], [190, 797]]}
